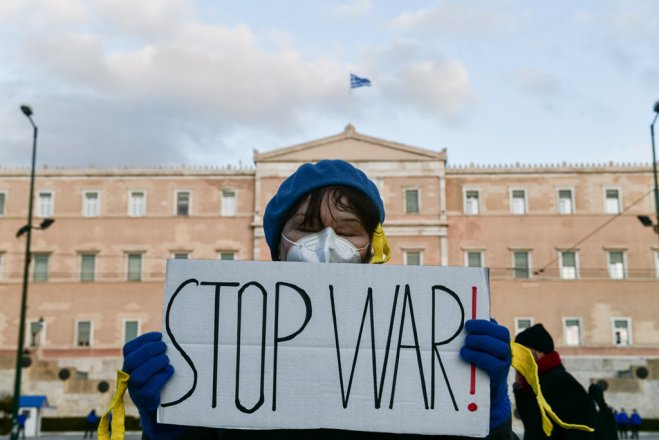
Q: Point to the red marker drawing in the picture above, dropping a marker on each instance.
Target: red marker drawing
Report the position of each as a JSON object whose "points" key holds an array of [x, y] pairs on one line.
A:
{"points": [[472, 389]]}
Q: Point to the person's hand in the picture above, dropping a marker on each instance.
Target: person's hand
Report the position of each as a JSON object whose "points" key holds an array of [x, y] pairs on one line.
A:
{"points": [[149, 369], [487, 346]]}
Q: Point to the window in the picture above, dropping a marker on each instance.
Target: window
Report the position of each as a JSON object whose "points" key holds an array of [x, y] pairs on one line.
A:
{"points": [[40, 267], [45, 204], [569, 269], [87, 267], [35, 333], [471, 203], [518, 202], [228, 208], [3, 200], [84, 333], [565, 204], [616, 265], [611, 201], [180, 255], [137, 204], [413, 258], [226, 255], [412, 201], [572, 332], [522, 324], [91, 204], [474, 259], [622, 334], [131, 330], [521, 265], [183, 203], [134, 272]]}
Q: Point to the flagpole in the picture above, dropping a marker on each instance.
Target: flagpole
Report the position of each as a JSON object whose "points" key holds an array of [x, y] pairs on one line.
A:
{"points": [[350, 99]]}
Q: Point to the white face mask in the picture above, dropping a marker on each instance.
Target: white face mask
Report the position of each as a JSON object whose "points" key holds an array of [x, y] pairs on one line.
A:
{"points": [[323, 247]]}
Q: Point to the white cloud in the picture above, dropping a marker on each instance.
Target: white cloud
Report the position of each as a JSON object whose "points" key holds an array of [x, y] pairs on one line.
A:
{"points": [[150, 18], [41, 16], [11, 8], [354, 8], [63, 11], [410, 76], [436, 86], [459, 19], [191, 84], [210, 68]]}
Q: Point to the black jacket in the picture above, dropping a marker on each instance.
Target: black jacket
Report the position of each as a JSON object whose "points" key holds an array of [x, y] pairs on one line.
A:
{"points": [[567, 398]]}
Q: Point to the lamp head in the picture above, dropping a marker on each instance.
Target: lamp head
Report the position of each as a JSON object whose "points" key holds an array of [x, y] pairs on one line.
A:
{"points": [[45, 224], [27, 110], [22, 231], [656, 107], [645, 220]]}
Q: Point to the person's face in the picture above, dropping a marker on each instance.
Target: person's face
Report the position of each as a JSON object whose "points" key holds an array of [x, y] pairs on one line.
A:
{"points": [[537, 355], [344, 223]]}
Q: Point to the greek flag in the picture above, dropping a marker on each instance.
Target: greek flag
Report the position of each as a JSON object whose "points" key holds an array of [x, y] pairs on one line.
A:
{"points": [[356, 81]]}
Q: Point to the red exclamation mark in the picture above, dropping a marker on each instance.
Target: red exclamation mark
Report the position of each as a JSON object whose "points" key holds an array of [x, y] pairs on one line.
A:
{"points": [[472, 389]]}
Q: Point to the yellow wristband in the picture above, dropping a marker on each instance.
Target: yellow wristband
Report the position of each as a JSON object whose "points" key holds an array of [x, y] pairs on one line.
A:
{"points": [[118, 412]]}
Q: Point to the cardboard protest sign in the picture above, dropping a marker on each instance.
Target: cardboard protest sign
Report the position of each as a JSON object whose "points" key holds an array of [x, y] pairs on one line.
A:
{"points": [[266, 345]]}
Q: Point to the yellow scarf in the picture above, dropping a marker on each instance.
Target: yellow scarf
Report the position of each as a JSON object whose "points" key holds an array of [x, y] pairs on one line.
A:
{"points": [[118, 412]]}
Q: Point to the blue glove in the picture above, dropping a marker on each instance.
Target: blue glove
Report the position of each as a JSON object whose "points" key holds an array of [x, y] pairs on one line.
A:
{"points": [[149, 369], [487, 345]]}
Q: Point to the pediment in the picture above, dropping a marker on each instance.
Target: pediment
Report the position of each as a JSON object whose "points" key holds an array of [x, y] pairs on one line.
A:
{"points": [[352, 147]]}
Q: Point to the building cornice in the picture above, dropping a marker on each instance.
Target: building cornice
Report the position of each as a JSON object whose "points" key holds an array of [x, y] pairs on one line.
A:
{"points": [[349, 133], [164, 171], [557, 168]]}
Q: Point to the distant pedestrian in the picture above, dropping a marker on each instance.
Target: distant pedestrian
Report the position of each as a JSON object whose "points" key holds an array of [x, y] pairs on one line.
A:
{"points": [[22, 419], [622, 419], [91, 424], [635, 423], [606, 423]]}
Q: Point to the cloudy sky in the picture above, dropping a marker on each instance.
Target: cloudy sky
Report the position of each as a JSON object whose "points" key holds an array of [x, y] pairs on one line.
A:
{"points": [[166, 82]]}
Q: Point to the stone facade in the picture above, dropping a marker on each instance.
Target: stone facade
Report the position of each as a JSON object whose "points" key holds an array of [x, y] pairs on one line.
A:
{"points": [[562, 242]]}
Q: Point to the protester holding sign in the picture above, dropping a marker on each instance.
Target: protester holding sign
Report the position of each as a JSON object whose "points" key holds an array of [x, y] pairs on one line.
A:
{"points": [[328, 212]]}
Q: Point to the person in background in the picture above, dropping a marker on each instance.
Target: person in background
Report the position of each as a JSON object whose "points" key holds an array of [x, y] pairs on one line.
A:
{"points": [[635, 423], [21, 420], [91, 422], [565, 395], [327, 212], [606, 423], [622, 419]]}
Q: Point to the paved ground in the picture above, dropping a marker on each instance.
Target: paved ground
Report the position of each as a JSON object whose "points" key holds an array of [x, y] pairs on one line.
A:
{"points": [[137, 436], [76, 435]]}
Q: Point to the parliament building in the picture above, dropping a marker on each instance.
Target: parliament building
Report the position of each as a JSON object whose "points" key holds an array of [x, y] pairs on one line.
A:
{"points": [[563, 243]]}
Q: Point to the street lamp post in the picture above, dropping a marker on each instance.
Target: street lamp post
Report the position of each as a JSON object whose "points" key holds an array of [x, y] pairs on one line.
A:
{"points": [[27, 111], [645, 219], [654, 163]]}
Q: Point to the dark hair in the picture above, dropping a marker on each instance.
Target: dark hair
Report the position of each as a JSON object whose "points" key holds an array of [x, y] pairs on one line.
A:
{"points": [[358, 203]]}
